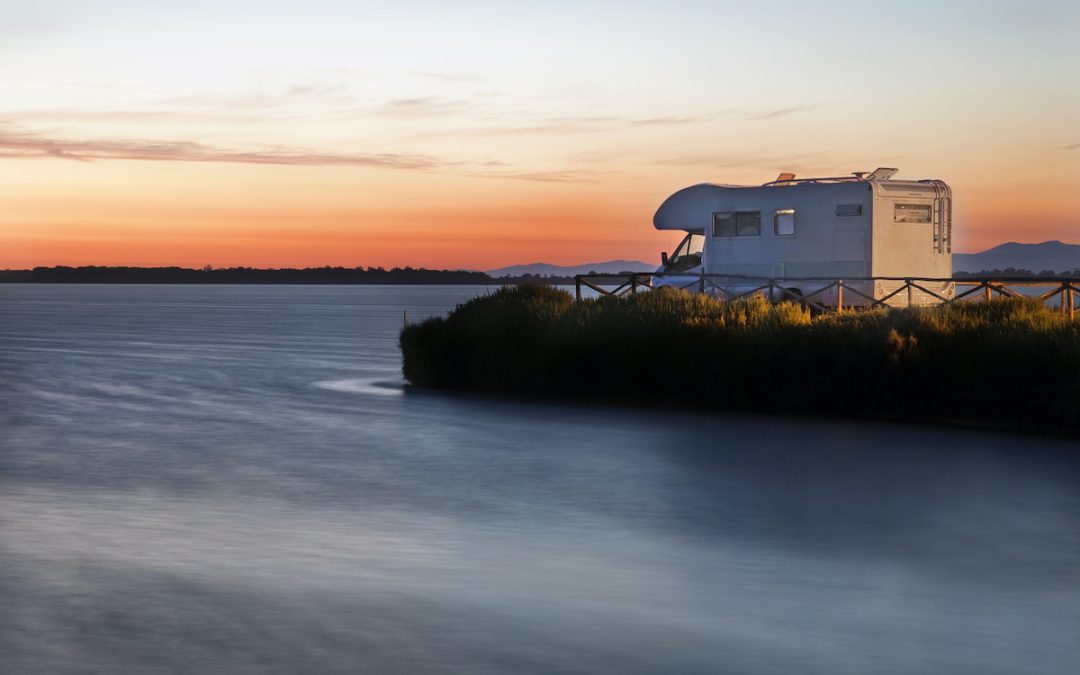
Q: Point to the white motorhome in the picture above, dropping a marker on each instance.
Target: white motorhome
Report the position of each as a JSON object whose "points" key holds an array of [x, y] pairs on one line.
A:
{"points": [[807, 232]]}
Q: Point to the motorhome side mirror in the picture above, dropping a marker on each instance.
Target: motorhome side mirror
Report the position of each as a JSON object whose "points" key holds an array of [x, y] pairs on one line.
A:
{"points": [[663, 258]]}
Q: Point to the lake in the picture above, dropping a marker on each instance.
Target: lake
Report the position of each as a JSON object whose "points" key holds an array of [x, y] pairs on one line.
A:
{"points": [[233, 479]]}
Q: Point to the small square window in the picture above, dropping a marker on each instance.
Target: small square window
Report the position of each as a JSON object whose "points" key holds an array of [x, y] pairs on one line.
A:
{"points": [[848, 210], [748, 223], [723, 225], [784, 222]]}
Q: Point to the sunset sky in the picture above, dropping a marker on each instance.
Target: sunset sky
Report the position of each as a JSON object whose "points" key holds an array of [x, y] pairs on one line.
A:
{"points": [[481, 134]]}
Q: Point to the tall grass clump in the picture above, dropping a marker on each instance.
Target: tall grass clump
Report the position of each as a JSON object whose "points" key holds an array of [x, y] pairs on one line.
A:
{"points": [[1009, 361]]}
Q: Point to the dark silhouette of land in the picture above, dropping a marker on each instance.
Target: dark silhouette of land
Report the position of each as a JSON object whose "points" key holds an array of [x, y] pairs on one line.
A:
{"points": [[1014, 273], [1006, 364], [251, 275], [333, 275]]}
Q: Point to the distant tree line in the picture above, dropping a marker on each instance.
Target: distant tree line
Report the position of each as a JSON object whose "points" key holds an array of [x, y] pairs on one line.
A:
{"points": [[250, 275], [95, 274], [542, 279], [1018, 273]]}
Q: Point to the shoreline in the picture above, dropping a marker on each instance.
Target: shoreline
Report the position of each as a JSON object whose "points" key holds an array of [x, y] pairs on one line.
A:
{"points": [[994, 426]]}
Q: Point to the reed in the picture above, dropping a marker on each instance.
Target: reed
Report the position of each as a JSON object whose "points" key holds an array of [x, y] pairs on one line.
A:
{"points": [[1011, 362]]}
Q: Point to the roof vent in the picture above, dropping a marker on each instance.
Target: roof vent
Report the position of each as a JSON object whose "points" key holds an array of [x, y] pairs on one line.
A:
{"points": [[784, 177], [882, 173]]}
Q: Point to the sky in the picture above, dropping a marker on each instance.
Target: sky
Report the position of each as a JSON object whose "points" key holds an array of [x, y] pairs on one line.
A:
{"points": [[481, 134]]}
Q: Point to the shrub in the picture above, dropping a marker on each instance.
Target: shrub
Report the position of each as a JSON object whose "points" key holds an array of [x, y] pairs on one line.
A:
{"points": [[1008, 359]]}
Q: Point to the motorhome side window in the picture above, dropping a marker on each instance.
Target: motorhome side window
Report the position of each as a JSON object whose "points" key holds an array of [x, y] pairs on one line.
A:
{"points": [[784, 222], [737, 224], [911, 213]]}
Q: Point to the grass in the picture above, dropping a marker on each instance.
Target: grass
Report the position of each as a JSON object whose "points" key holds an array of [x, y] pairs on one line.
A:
{"points": [[1008, 362]]}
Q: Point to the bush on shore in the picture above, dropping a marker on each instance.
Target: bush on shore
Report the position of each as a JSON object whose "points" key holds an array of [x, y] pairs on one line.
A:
{"points": [[1009, 362]]}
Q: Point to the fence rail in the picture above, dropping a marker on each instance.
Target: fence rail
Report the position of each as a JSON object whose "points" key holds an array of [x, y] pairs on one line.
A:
{"points": [[827, 294]]}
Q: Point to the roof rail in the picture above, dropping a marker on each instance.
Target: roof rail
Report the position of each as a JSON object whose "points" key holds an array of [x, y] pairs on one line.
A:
{"points": [[831, 179], [880, 173]]}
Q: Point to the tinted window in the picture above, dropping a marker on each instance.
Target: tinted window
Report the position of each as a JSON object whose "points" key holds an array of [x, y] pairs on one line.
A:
{"points": [[723, 225], [738, 224], [748, 223]]}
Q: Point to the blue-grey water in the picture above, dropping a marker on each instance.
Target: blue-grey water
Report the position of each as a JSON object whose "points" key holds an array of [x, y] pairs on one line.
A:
{"points": [[232, 479]]}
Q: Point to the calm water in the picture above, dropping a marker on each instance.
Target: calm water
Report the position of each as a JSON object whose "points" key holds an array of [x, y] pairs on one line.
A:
{"points": [[232, 480]]}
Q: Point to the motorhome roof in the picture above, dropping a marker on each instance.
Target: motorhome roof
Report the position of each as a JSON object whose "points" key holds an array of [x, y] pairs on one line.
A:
{"points": [[881, 173]]}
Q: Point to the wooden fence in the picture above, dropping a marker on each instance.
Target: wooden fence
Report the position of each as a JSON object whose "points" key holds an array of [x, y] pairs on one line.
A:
{"points": [[828, 294]]}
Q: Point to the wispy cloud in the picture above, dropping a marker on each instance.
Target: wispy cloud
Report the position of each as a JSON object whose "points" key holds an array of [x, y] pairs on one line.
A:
{"points": [[29, 145], [284, 104], [446, 77], [297, 94], [18, 144], [779, 112], [582, 125], [293, 102], [73, 116], [668, 121], [606, 123], [475, 115], [555, 176], [759, 160], [1073, 146], [423, 106], [81, 85], [551, 125]]}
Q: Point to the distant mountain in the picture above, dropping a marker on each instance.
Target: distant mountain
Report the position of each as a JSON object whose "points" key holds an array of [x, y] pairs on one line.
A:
{"points": [[547, 270], [1049, 255]]}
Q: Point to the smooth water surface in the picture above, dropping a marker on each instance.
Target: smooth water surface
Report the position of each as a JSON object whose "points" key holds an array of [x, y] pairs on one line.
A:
{"points": [[232, 479]]}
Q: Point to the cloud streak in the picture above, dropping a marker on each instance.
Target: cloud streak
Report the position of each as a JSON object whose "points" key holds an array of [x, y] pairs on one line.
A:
{"points": [[446, 77], [30, 146], [779, 112], [81, 85], [304, 94], [423, 106], [601, 124], [764, 160], [541, 176], [26, 145], [583, 125]]}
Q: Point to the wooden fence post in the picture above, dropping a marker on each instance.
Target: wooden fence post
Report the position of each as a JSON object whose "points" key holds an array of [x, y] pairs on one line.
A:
{"points": [[907, 282], [986, 284], [701, 284], [839, 295], [577, 284]]}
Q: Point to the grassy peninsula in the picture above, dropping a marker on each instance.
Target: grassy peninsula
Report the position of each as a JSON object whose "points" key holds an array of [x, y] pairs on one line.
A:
{"points": [[1011, 363]]}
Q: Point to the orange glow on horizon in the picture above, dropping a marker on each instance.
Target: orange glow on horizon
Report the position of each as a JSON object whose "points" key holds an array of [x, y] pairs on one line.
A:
{"points": [[457, 223], [323, 224]]}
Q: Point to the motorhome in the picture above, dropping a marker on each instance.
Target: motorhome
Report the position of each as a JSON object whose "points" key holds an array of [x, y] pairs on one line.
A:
{"points": [[805, 233]]}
